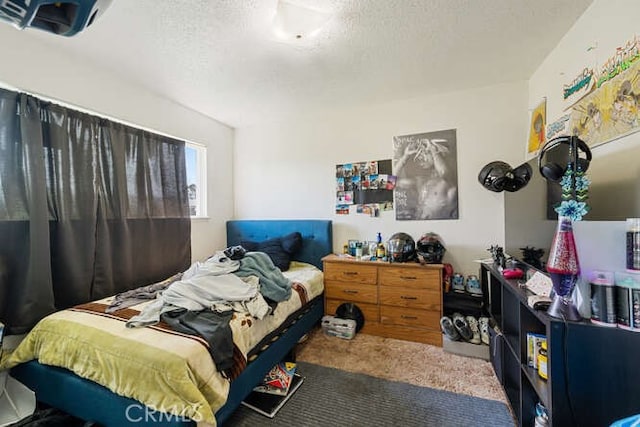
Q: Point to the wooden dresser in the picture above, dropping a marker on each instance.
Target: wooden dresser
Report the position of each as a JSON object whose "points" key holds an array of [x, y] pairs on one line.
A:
{"points": [[399, 300]]}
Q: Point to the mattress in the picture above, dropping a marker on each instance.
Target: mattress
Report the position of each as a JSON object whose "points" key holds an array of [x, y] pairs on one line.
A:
{"points": [[166, 370]]}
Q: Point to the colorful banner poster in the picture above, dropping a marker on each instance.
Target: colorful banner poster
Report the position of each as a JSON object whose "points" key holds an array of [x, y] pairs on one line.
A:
{"points": [[611, 111]]}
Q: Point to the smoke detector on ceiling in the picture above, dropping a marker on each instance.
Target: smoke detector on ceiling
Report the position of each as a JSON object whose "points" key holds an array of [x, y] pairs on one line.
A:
{"points": [[294, 22]]}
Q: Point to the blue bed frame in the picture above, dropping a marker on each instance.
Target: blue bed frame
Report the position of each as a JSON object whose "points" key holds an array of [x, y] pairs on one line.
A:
{"points": [[87, 400]]}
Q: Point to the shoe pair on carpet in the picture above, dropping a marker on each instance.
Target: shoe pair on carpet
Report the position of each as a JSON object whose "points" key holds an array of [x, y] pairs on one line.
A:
{"points": [[469, 329], [469, 286]]}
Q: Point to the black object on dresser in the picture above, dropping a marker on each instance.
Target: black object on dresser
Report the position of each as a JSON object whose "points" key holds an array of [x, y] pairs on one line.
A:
{"points": [[593, 378]]}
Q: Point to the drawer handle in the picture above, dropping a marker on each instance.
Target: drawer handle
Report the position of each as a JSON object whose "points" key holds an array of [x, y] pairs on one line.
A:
{"points": [[350, 273], [409, 317], [408, 277], [406, 297], [349, 291]]}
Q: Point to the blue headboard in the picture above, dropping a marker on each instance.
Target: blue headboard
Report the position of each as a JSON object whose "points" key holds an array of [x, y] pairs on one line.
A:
{"points": [[317, 235]]}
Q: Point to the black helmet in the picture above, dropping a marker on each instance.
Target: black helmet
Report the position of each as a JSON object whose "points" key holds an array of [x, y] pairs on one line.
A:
{"points": [[430, 248], [402, 248], [349, 310], [498, 176], [494, 175]]}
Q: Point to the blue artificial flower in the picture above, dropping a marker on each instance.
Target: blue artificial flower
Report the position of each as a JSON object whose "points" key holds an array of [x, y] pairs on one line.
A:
{"points": [[582, 183], [571, 208], [565, 182]]}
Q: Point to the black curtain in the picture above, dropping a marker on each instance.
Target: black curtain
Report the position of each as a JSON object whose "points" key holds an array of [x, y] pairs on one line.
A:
{"points": [[88, 208]]}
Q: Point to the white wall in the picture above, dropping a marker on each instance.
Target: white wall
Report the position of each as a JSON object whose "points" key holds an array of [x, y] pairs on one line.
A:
{"points": [[603, 27], [31, 65], [287, 169]]}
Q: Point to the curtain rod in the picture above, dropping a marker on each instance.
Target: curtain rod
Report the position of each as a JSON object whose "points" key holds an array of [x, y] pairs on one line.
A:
{"points": [[101, 115]]}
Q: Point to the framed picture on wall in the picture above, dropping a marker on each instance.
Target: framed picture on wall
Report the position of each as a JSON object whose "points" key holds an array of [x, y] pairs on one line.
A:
{"points": [[537, 130], [426, 168]]}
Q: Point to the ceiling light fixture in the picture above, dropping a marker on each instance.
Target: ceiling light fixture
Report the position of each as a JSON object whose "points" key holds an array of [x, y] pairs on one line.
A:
{"points": [[295, 22]]}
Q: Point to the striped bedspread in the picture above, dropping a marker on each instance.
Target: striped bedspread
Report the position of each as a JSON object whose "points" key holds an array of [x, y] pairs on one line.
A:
{"points": [[166, 370]]}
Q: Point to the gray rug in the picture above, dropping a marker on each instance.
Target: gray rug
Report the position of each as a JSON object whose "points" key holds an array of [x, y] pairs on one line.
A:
{"points": [[330, 397]]}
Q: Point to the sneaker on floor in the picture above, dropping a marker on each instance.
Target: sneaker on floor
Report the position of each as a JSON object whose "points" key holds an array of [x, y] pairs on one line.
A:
{"points": [[462, 326], [475, 330], [446, 324], [484, 329]]}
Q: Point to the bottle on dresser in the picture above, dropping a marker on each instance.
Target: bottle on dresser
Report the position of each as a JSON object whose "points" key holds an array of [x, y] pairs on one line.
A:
{"points": [[380, 250]]}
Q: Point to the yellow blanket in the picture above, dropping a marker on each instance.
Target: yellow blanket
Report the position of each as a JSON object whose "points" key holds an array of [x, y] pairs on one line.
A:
{"points": [[166, 370]]}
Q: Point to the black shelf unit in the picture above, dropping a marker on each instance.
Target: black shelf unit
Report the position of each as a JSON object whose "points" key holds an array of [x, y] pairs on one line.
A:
{"points": [[592, 375], [463, 303]]}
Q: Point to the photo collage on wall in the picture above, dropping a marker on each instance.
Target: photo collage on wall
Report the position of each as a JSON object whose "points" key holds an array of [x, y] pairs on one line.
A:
{"points": [[366, 185]]}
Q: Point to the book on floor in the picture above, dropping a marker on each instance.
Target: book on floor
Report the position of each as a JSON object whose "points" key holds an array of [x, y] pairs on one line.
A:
{"points": [[269, 404], [278, 379]]}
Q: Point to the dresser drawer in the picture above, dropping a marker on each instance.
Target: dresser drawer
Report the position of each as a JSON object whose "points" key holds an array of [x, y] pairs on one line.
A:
{"points": [[351, 272], [371, 312], [408, 297], [411, 278], [356, 292], [409, 317]]}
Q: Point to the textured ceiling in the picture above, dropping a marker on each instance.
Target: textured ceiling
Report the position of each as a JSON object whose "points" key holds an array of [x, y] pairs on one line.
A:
{"points": [[220, 57]]}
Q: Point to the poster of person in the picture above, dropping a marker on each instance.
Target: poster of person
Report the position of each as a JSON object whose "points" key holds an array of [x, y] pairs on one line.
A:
{"points": [[611, 111], [426, 168], [537, 134]]}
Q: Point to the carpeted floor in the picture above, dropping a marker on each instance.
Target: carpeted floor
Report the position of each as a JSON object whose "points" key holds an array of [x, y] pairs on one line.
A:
{"points": [[331, 397], [404, 361]]}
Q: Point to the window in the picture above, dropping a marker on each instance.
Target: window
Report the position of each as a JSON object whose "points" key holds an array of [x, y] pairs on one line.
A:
{"points": [[196, 156]]}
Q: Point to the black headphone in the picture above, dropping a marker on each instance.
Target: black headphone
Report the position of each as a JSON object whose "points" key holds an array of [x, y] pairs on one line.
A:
{"points": [[498, 176], [554, 171]]}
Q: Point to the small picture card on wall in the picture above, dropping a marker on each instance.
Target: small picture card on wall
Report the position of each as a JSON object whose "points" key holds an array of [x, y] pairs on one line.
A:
{"points": [[559, 127], [537, 128], [342, 209]]}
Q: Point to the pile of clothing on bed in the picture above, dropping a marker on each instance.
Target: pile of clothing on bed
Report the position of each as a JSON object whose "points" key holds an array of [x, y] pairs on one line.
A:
{"points": [[202, 300]]}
